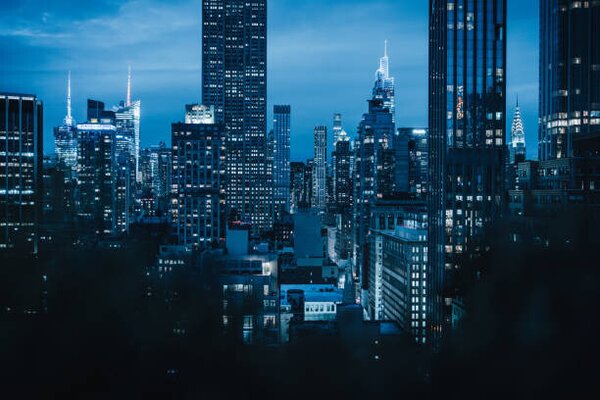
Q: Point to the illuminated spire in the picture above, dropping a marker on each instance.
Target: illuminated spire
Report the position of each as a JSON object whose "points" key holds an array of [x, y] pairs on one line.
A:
{"points": [[384, 63], [128, 87], [517, 134], [69, 117]]}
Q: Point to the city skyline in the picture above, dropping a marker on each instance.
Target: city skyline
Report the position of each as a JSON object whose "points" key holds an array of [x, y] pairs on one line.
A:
{"points": [[43, 40]]}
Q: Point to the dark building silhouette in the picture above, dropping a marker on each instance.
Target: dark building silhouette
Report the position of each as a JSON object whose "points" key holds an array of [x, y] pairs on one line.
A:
{"points": [[467, 122], [21, 175]]}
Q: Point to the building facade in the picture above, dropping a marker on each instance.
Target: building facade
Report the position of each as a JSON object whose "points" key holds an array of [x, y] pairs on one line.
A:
{"points": [[97, 176], [234, 80], [569, 105], [198, 184], [467, 122], [21, 172], [411, 161]]}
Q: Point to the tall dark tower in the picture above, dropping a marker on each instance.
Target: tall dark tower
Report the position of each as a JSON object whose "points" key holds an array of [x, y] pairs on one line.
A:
{"points": [[569, 78], [21, 153], [234, 81], [467, 120]]}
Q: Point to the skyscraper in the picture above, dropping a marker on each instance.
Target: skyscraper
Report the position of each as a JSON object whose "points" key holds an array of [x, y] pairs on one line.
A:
{"points": [[21, 175], [320, 168], [127, 120], [467, 120], [198, 184], [97, 176], [234, 80], [343, 194], [374, 174], [65, 136], [281, 160], [569, 78], [517, 138]]}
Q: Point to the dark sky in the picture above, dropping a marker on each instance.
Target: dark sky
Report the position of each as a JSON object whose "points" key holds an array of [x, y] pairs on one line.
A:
{"points": [[322, 58]]}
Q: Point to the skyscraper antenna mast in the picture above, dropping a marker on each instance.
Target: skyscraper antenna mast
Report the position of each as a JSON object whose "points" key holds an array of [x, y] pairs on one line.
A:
{"points": [[128, 86]]}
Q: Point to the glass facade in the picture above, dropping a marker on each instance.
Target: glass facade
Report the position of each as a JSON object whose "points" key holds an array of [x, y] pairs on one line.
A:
{"points": [[569, 79], [467, 119]]}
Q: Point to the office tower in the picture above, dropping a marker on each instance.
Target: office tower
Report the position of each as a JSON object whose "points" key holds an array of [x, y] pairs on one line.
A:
{"points": [[320, 169], [198, 184], [375, 174], [517, 138], [128, 118], [569, 106], [65, 137], [342, 173], [127, 121], [411, 160], [234, 80], [343, 195], [97, 176], [467, 120], [21, 157], [384, 84], [281, 160]]}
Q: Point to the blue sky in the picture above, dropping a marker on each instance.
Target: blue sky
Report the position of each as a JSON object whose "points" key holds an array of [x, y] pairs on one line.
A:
{"points": [[322, 58]]}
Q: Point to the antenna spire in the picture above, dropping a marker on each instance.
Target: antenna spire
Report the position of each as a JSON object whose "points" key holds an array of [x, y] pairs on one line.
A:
{"points": [[69, 117], [385, 48], [128, 86], [517, 99]]}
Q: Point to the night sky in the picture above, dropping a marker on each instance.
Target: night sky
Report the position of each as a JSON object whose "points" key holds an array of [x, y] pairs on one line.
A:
{"points": [[322, 59]]}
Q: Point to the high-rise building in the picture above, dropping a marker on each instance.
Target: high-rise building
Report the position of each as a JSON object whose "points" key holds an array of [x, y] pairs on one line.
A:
{"points": [[343, 195], [198, 185], [320, 169], [234, 80], [97, 176], [21, 175], [281, 160], [517, 138], [65, 137], [384, 84], [467, 122], [375, 175], [569, 106], [411, 160]]}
